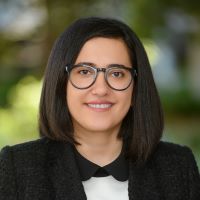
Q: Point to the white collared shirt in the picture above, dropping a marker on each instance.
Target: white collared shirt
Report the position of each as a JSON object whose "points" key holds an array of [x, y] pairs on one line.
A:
{"points": [[105, 188]]}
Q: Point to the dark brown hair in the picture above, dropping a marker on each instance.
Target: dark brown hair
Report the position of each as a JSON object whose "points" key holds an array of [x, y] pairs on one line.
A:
{"points": [[142, 127]]}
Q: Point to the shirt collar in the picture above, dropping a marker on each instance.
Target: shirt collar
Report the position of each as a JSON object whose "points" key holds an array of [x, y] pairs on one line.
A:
{"points": [[118, 168]]}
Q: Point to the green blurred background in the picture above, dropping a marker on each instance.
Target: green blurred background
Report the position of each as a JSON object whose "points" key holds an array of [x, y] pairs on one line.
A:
{"points": [[170, 31]]}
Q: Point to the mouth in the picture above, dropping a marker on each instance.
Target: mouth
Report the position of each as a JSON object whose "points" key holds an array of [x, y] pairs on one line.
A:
{"points": [[100, 106]]}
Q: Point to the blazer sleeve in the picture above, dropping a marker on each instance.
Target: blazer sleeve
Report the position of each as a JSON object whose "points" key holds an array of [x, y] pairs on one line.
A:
{"points": [[8, 190], [193, 177]]}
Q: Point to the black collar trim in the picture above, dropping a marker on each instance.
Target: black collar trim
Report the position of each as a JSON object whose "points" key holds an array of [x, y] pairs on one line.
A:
{"points": [[118, 168]]}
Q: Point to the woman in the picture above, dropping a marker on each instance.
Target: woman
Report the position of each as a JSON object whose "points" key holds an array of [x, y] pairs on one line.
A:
{"points": [[100, 123]]}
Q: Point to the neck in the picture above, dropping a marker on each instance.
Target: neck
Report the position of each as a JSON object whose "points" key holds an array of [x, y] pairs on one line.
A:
{"points": [[99, 147]]}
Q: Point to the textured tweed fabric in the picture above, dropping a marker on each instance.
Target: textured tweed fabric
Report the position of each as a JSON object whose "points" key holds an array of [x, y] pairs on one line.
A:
{"points": [[47, 170]]}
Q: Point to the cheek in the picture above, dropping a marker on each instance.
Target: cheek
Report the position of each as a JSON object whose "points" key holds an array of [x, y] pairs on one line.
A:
{"points": [[125, 101], [74, 98]]}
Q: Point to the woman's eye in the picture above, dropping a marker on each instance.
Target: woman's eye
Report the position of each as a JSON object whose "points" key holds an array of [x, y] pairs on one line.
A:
{"points": [[117, 74], [84, 72]]}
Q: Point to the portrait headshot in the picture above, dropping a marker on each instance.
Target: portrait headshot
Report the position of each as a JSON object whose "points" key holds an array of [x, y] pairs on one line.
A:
{"points": [[101, 124]]}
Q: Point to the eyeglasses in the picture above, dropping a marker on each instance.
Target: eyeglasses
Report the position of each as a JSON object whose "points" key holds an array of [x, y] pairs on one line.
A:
{"points": [[84, 75]]}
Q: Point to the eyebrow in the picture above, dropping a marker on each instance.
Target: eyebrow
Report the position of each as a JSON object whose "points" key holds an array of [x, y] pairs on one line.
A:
{"points": [[86, 63], [92, 64]]}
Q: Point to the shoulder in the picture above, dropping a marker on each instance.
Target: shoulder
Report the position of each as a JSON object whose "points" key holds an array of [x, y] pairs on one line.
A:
{"points": [[177, 170], [26, 147], [24, 154], [19, 161], [168, 149], [175, 156]]}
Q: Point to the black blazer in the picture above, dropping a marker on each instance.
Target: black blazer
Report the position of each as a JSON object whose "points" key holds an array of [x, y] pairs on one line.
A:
{"points": [[46, 170]]}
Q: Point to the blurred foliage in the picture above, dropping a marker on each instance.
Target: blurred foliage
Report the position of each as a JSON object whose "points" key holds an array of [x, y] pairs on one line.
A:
{"points": [[180, 102], [148, 17], [18, 122]]}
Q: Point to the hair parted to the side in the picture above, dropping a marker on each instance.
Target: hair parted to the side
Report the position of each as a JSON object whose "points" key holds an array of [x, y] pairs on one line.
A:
{"points": [[142, 127]]}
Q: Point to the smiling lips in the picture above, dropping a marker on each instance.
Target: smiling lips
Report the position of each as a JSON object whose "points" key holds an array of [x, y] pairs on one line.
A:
{"points": [[103, 106]]}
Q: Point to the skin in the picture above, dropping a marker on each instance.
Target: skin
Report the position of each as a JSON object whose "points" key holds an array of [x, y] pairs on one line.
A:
{"points": [[97, 129]]}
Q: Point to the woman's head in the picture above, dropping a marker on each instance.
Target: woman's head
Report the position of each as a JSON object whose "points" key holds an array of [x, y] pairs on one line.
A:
{"points": [[136, 109], [99, 92]]}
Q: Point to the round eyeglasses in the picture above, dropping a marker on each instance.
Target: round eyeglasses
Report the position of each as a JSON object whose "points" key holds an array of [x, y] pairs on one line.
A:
{"points": [[118, 77]]}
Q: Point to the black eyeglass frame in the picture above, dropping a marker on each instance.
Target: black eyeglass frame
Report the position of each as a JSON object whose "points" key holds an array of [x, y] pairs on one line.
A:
{"points": [[133, 71]]}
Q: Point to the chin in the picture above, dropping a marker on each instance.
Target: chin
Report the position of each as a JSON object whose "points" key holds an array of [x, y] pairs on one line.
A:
{"points": [[100, 127]]}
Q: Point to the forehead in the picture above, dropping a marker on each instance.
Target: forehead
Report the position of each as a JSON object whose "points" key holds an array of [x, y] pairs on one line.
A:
{"points": [[104, 51]]}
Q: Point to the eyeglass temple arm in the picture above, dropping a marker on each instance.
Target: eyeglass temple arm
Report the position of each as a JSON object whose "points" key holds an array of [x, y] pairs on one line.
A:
{"points": [[134, 72], [67, 68]]}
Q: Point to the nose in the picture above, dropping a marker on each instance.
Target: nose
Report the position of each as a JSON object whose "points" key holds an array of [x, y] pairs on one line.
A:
{"points": [[100, 86]]}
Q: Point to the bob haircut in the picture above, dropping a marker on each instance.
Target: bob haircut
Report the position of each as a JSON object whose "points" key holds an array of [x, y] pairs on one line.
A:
{"points": [[141, 128]]}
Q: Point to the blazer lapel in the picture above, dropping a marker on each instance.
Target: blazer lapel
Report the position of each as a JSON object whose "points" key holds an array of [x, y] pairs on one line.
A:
{"points": [[64, 174], [142, 183]]}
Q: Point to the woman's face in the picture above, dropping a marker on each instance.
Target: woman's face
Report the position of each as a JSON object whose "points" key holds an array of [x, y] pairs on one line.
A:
{"points": [[100, 108]]}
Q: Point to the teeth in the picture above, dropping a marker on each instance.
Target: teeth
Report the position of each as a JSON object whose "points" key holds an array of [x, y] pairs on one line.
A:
{"points": [[99, 105]]}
